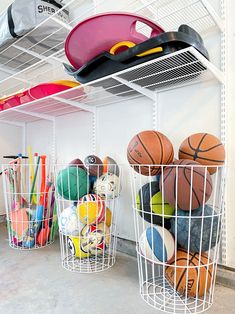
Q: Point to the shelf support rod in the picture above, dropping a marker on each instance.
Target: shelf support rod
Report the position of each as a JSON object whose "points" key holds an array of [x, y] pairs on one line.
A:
{"points": [[136, 87], [74, 104], [35, 114], [24, 139], [219, 22]]}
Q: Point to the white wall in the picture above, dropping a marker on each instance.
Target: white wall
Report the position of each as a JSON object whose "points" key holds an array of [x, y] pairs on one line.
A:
{"points": [[10, 144], [230, 204]]}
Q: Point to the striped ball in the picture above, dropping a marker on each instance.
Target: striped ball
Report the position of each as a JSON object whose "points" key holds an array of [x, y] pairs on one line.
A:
{"points": [[157, 244]]}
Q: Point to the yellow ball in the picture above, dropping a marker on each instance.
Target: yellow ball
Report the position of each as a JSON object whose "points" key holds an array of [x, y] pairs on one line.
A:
{"points": [[108, 217], [91, 212], [74, 245]]}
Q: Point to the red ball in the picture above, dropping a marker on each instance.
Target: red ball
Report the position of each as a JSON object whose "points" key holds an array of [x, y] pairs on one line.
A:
{"points": [[77, 163]]}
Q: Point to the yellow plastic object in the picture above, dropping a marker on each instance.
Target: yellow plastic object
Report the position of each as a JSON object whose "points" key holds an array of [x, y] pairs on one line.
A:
{"points": [[67, 83], [130, 44]]}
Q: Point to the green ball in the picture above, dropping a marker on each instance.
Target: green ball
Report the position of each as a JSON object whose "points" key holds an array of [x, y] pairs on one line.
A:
{"points": [[73, 183]]}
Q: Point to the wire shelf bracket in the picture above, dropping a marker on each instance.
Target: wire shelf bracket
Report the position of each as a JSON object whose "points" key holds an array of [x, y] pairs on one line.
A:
{"points": [[74, 104], [35, 114], [139, 89]]}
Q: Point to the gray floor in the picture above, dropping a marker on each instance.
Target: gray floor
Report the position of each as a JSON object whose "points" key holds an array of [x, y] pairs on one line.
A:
{"points": [[35, 282]]}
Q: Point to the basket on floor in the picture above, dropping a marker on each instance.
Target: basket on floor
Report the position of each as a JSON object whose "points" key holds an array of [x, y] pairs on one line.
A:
{"points": [[30, 204], [178, 217], [87, 207]]}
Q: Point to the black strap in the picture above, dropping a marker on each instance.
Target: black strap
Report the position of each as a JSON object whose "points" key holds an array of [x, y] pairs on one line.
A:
{"points": [[56, 4], [11, 23]]}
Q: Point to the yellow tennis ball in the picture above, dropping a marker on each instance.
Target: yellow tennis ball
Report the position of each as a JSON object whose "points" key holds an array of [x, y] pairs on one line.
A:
{"points": [[74, 245], [91, 212]]}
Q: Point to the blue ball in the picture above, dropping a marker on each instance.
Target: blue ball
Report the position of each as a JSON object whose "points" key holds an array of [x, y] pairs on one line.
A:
{"points": [[202, 230], [92, 180], [157, 244]]}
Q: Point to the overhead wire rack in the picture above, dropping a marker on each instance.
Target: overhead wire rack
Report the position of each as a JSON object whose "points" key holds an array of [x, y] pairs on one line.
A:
{"points": [[20, 61]]}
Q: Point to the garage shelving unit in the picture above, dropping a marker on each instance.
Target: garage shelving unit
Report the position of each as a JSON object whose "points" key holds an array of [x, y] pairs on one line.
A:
{"points": [[23, 65]]}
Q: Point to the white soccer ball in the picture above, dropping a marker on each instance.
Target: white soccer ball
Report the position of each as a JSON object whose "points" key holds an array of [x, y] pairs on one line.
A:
{"points": [[69, 223], [107, 186]]}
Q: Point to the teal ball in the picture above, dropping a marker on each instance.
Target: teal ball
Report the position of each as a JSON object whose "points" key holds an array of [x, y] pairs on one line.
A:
{"points": [[72, 183]]}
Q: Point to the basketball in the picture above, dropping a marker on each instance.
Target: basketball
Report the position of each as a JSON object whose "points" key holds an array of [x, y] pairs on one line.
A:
{"points": [[95, 239], [69, 223], [72, 183], [152, 207], [107, 186], [74, 246], [94, 165], [191, 183], [157, 244], [204, 148], [149, 148], [77, 163], [199, 278], [110, 165], [91, 209], [202, 229]]}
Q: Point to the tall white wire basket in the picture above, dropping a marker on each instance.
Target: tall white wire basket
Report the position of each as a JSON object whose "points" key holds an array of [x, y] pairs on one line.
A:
{"points": [[178, 216], [30, 204], [87, 206]]}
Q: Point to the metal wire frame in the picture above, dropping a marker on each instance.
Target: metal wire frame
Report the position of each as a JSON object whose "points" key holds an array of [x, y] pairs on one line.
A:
{"points": [[30, 224], [155, 287], [181, 68], [169, 14], [100, 252]]}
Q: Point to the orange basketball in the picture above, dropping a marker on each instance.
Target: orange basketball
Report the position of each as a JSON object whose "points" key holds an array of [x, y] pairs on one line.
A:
{"points": [[194, 184], [149, 148], [195, 273], [203, 148]]}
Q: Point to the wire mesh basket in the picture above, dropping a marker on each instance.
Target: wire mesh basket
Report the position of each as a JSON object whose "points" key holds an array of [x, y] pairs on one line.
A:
{"points": [[178, 217], [30, 204], [87, 206]]}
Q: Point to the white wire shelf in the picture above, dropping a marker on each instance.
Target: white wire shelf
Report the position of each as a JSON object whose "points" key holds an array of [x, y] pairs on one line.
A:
{"points": [[20, 62], [175, 70]]}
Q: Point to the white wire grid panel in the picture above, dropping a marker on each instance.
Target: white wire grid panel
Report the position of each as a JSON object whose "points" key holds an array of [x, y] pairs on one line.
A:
{"points": [[177, 249], [30, 206], [87, 208], [22, 59], [180, 68]]}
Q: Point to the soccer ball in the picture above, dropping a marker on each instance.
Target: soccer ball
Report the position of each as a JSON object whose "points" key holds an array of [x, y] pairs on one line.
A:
{"points": [[95, 239], [74, 247], [69, 223], [107, 186]]}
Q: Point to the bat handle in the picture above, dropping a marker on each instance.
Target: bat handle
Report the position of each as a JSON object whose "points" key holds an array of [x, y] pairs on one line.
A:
{"points": [[43, 183]]}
